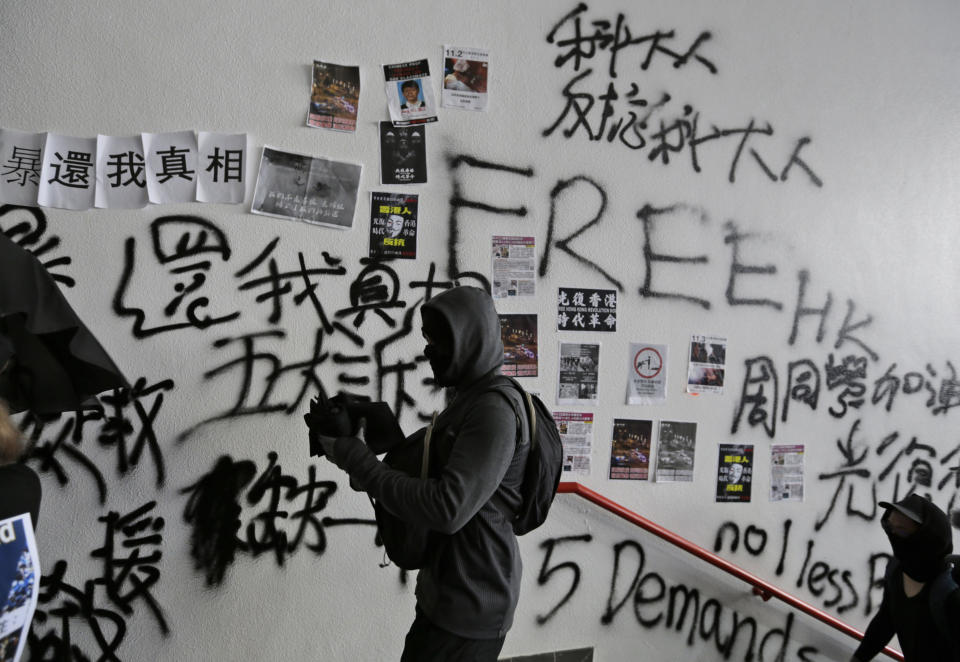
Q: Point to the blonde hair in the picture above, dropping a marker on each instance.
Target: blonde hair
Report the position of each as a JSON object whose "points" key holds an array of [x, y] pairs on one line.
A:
{"points": [[11, 441]]}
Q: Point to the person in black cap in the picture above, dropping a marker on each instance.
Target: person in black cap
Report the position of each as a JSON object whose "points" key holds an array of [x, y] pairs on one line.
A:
{"points": [[918, 583], [467, 590]]}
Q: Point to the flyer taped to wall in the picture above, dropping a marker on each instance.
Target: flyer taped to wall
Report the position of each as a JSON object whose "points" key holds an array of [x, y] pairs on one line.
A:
{"points": [[403, 154], [306, 188], [576, 435], [20, 160], [19, 584], [519, 335], [464, 78], [513, 266], [630, 449], [393, 225], [409, 93], [334, 96], [734, 472], [676, 450], [786, 472], [578, 374], [647, 374], [708, 358], [584, 309]]}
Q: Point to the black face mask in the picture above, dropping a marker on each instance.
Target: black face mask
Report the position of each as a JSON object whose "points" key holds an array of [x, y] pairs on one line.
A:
{"points": [[921, 554], [440, 364]]}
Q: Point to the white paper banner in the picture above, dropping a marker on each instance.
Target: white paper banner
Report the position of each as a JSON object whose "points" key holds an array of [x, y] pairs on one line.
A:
{"points": [[67, 178], [223, 167], [121, 173], [20, 162], [171, 166]]}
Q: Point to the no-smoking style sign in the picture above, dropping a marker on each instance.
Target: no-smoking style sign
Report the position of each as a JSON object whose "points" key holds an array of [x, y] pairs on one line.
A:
{"points": [[647, 380]]}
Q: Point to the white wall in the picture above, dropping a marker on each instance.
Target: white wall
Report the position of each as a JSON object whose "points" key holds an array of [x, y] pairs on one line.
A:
{"points": [[871, 84]]}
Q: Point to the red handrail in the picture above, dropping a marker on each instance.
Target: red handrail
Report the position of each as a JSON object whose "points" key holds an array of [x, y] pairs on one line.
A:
{"points": [[760, 587]]}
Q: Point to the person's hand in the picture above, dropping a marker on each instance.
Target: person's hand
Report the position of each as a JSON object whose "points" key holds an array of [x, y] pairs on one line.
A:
{"points": [[328, 444]]}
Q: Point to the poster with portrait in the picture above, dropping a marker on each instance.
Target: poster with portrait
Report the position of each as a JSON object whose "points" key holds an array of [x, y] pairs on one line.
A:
{"points": [[464, 78], [630, 449], [734, 472], [393, 225], [513, 266], [676, 450], [708, 359], [585, 309], [403, 154], [576, 436], [647, 374], [578, 375], [334, 96], [409, 93], [786, 472], [306, 188], [519, 335], [19, 584]]}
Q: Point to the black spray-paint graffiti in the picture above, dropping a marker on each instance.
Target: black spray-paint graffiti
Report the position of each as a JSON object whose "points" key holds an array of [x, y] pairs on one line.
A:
{"points": [[124, 420], [129, 557], [215, 513], [644, 119], [674, 608], [835, 587], [31, 235]]}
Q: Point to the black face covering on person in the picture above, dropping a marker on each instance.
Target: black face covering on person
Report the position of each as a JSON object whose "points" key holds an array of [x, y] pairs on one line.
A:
{"points": [[921, 554], [439, 349]]}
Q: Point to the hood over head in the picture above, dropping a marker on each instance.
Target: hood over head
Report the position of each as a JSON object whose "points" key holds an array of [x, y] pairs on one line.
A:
{"points": [[922, 553], [465, 328]]}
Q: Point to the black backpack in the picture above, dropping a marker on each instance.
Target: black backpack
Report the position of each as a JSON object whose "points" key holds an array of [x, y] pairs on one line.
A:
{"points": [[541, 476]]}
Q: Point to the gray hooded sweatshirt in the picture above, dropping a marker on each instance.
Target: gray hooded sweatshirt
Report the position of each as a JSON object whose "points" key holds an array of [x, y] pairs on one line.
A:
{"points": [[472, 582]]}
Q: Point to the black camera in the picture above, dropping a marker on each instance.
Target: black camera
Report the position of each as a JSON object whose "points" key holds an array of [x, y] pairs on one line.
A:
{"points": [[340, 416]]}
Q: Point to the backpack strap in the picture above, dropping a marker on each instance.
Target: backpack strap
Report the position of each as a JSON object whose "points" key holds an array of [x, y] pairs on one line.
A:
{"points": [[425, 462]]}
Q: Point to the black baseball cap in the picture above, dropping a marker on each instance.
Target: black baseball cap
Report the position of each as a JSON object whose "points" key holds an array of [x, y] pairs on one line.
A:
{"points": [[911, 506]]}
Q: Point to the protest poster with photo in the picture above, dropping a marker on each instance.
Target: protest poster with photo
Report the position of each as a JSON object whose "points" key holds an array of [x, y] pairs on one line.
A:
{"points": [[409, 93], [708, 358], [786, 472], [334, 96], [576, 435], [647, 374], [464, 78], [578, 375], [582, 309], [514, 266], [630, 449], [734, 472], [19, 584], [403, 154], [306, 188], [676, 449], [519, 335], [393, 225]]}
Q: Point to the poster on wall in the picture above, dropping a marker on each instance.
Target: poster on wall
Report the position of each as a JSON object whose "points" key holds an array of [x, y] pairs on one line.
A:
{"points": [[708, 357], [20, 159], [334, 96], [513, 266], [67, 177], [171, 166], [578, 373], [403, 154], [519, 335], [676, 449], [120, 173], [19, 584], [464, 78], [786, 472], [630, 449], [734, 472], [409, 93], [576, 436], [647, 374], [393, 225], [223, 167], [582, 309], [306, 188]]}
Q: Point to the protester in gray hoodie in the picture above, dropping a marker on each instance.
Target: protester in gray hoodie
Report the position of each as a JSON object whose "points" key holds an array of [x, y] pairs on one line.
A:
{"points": [[467, 592]]}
